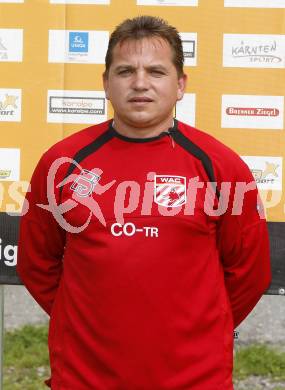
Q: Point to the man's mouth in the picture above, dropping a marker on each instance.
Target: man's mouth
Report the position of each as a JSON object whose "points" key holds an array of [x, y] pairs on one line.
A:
{"points": [[140, 100]]}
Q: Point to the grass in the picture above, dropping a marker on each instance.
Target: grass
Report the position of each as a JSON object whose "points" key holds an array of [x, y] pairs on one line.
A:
{"points": [[259, 360], [26, 363]]}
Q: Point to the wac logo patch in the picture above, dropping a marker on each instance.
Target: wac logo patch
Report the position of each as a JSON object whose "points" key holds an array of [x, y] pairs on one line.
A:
{"points": [[169, 190], [84, 184]]}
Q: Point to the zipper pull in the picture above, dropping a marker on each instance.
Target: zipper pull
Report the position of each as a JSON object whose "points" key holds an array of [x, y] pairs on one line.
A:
{"points": [[172, 140]]}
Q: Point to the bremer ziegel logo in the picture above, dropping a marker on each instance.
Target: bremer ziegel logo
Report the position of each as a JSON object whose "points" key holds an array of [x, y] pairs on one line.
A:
{"points": [[254, 51], [252, 111], [76, 106], [169, 191], [255, 3], [266, 170]]}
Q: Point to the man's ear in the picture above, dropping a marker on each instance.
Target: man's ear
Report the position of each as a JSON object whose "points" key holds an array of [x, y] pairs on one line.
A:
{"points": [[106, 84], [182, 82]]}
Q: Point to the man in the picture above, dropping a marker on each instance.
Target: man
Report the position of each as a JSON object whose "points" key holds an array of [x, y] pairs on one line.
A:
{"points": [[143, 240]]}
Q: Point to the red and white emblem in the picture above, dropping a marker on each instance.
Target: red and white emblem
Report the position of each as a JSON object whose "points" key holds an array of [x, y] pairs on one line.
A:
{"points": [[85, 182], [169, 190]]}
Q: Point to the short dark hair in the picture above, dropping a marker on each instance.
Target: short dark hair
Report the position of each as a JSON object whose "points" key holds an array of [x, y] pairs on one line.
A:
{"points": [[146, 27]]}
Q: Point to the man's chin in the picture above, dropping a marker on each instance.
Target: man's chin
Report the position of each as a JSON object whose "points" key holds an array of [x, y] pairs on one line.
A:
{"points": [[141, 121]]}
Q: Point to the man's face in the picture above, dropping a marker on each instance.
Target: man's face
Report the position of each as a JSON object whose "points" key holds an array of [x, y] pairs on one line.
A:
{"points": [[142, 84]]}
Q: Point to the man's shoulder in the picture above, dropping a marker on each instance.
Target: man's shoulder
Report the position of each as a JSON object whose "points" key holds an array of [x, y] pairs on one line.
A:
{"points": [[226, 161], [69, 146]]}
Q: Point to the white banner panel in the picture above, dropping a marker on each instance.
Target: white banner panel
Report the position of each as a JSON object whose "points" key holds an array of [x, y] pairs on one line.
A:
{"points": [[266, 170], [9, 164], [255, 3], [11, 45], [253, 112], [78, 47], [254, 51], [189, 43], [186, 108], [65, 106]]}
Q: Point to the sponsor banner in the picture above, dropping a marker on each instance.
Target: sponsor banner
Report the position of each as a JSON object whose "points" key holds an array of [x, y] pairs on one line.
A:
{"points": [[11, 45], [252, 112], [254, 51], [9, 164], [65, 106], [10, 105], [266, 170], [11, 1], [189, 43], [9, 229], [186, 108], [255, 3], [187, 3], [78, 47], [80, 1]]}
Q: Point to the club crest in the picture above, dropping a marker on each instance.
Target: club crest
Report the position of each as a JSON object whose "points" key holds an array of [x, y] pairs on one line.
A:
{"points": [[169, 190], [84, 184]]}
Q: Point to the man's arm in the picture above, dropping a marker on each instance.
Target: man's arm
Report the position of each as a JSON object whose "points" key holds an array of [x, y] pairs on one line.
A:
{"points": [[244, 248], [41, 243]]}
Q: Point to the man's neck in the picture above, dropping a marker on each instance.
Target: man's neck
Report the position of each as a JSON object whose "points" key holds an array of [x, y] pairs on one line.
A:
{"points": [[128, 130]]}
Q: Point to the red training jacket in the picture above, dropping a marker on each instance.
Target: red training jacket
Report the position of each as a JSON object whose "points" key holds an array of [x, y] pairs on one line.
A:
{"points": [[143, 263]]}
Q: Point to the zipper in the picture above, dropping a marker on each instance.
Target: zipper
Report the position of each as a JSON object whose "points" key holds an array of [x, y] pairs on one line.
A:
{"points": [[168, 132]]}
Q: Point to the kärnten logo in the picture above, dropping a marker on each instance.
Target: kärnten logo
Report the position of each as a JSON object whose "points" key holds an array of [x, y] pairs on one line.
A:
{"points": [[257, 52]]}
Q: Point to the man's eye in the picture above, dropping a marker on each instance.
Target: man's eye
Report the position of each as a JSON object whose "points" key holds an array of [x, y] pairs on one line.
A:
{"points": [[157, 72], [124, 72]]}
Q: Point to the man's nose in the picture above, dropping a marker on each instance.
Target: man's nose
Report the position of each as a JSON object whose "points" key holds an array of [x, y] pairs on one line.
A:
{"points": [[140, 81]]}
